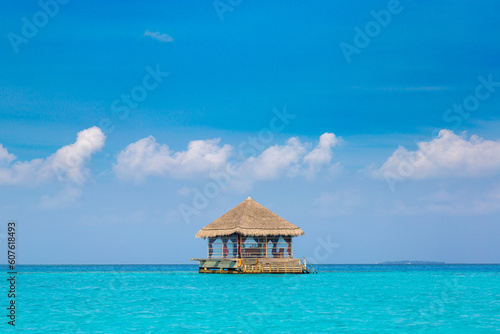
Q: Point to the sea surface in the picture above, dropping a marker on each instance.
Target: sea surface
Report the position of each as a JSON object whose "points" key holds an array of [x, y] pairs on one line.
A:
{"points": [[175, 298]]}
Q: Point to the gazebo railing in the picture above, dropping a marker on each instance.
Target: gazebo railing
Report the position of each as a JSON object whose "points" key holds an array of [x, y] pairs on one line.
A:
{"points": [[250, 250]]}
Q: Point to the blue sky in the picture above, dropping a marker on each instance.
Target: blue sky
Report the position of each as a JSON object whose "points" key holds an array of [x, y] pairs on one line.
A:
{"points": [[366, 188]]}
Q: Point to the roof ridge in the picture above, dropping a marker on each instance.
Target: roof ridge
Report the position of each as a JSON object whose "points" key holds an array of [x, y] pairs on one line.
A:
{"points": [[243, 211]]}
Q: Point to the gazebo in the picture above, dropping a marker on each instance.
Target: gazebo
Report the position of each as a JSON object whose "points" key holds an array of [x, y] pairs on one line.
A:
{"points": [[250, 239]]}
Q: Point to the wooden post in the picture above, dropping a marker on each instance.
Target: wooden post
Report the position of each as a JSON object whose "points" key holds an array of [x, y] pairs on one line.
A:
{"points": [[239, 246], [265, 247]]}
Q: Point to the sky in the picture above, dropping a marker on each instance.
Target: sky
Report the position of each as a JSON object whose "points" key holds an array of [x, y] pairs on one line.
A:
{"points": [[126, 127]]}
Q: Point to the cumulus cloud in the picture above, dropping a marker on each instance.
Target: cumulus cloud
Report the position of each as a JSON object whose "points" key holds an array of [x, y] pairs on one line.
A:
{"points": [[164, 38], [68, 164], [448, 155], [292, 159], [5, 157], [322, 154], [146, 157], [276, 160]]}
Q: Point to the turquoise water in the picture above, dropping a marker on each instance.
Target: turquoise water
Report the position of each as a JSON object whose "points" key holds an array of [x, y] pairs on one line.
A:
{"points": [[341, 298]]}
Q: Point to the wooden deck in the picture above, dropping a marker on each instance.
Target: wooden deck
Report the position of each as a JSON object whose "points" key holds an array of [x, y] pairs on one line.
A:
{"points": [[252, 266]]}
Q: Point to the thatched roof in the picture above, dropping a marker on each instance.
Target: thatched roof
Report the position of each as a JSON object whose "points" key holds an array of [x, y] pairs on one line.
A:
{"points": [[249, 218]]}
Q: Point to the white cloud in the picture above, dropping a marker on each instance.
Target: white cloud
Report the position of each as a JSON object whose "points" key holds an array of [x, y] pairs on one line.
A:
{"points": [[62, 199], [322, 154], [402, 88], [448, 155], [291, 159], [164, 38], [338, 203], [452, 203], [5, 157], [276, 161], [146, 157], [67, 164]]}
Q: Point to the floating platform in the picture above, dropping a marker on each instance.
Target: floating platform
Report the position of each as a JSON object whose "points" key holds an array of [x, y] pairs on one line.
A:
{"points": [[254, 266]]}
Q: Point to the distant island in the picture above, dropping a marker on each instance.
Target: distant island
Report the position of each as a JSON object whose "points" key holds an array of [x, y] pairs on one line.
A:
{"points": [[411, 262]]}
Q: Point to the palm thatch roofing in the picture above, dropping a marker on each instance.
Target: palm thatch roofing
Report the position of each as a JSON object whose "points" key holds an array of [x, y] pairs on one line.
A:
{"points": [[249, 218]]}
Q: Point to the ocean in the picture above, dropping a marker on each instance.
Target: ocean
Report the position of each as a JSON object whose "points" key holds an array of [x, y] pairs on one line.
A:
{"points": [[175, 298]]}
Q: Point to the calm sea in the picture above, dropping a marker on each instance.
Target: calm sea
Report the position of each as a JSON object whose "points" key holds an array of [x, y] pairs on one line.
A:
{"points": [[175, 298]]}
